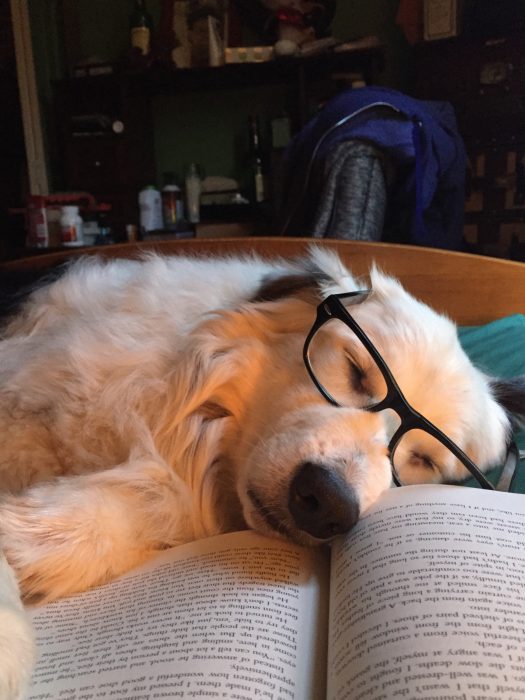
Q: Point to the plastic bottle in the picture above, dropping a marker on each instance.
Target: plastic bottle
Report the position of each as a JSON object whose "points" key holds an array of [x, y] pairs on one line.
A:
{"points": [[172, 206], [71, 233], [150, 209], [140, 27], [193, 194]]}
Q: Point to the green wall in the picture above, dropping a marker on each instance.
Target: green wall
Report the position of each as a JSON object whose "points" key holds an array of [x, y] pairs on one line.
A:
{"points": [[210, 126]]}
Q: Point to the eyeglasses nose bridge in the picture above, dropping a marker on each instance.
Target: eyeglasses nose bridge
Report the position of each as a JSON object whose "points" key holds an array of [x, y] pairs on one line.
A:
{"points": [[408, 421], [395, 401]]}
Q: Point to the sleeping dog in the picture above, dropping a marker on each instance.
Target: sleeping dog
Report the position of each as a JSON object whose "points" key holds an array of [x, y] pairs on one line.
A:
{"points": [[146, 403]]}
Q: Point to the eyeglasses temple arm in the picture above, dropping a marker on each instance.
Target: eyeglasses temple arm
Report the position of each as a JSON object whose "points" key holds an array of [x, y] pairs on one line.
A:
{"points": [[510, 469]]}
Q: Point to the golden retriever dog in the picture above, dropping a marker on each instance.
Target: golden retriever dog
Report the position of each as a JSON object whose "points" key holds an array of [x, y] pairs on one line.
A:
{"points": [[146, 403]]}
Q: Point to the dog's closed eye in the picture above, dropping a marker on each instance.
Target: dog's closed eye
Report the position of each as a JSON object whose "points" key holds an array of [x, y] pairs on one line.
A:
{"points": [[357, 376], [211, 410], [363, 380], [422, 460]]}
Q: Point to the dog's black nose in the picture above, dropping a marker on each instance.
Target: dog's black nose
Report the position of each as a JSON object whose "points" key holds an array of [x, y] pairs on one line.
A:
{"points": [[321, 502]]}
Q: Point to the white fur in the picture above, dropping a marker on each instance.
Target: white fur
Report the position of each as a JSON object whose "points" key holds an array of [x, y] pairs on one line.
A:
{"points": [[16, 638], [142, 401]]}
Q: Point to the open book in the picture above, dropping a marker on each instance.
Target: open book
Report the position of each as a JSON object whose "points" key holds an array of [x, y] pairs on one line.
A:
{"points": [[424, 599]]}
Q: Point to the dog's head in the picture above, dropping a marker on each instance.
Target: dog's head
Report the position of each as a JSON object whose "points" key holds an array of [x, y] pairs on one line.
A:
{"points": [[307, 469]]}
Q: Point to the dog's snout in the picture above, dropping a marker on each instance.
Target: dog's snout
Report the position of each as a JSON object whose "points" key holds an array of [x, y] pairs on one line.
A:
{"points": [[321, 502]]}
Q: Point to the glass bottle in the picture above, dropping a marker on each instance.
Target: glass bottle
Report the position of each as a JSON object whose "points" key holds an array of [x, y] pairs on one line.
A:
{"points": [[257, 169], [140, 27], [193, 186], [172, 204]]}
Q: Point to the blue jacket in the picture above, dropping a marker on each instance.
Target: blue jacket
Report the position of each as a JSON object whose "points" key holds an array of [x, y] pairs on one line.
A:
{"points": [[421, 140]]}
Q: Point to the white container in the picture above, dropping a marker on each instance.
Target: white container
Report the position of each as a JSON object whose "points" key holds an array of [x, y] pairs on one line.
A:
{"points": [[150, 205], [71, 233], [193, 194]]}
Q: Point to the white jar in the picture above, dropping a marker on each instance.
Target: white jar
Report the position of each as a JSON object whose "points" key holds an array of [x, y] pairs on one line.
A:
{"points": [[71, 233], [150, 205]]}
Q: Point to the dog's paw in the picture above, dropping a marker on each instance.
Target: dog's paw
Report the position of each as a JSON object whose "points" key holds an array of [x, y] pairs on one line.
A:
{"points": [[16, 654], [16, 639], [65, 536], [68, 535], [48, 546]]}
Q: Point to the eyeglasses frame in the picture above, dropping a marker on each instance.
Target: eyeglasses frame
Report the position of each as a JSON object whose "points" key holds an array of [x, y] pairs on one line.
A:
{"points": [[332, 308]]}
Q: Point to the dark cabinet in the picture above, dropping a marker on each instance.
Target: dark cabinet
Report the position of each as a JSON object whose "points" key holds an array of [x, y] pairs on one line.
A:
{"points": [[485, 82], [106, 140]]}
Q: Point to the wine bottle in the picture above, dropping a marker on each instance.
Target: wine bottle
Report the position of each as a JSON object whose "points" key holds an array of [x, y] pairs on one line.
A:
{"points": [[140, 27], [257, 166]]}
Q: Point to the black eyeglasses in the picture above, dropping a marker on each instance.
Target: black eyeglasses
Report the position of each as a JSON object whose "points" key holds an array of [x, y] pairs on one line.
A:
{"points": [[343, 372]]}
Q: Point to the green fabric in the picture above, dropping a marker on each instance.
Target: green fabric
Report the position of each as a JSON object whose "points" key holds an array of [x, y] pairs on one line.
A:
{"points": [[498, 350]]}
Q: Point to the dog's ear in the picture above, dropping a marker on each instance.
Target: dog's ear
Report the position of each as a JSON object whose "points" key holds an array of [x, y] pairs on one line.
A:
{"points": [[313, 277], [275, 287], [510, 394]]}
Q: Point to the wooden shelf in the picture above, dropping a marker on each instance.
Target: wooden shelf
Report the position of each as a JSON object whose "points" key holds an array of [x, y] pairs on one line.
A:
{"points": [[277, 71], [165, 80]]}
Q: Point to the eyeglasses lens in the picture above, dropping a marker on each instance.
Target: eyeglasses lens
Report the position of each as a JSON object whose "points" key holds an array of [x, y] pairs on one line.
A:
{"points": [[344, 367], [420, 458]]}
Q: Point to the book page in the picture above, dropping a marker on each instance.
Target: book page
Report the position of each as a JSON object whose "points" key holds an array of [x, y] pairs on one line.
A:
{"points": [[428, 598], [236, 615]]}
